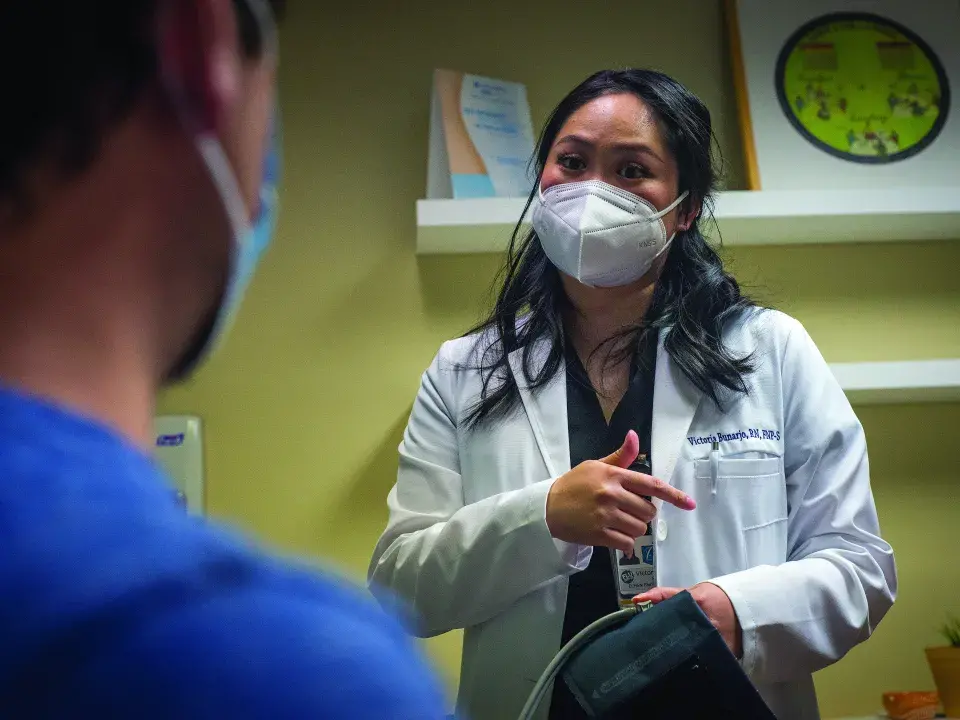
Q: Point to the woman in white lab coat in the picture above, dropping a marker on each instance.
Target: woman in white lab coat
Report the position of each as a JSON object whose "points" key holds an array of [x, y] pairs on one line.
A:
{"points": [[625, 395]]}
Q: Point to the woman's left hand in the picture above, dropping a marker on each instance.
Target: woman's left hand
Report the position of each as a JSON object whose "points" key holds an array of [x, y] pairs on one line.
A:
{"points": [[715, 605]]}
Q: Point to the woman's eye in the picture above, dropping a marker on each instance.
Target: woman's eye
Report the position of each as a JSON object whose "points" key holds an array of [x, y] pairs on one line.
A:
{"points": [[634, 172], [571, 162]]}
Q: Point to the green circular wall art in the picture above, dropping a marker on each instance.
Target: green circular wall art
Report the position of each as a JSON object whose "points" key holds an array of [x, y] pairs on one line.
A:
{"points": [[862, 88]]}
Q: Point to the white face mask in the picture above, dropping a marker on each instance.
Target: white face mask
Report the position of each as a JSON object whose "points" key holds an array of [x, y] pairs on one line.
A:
{"points": [[599, 234]]}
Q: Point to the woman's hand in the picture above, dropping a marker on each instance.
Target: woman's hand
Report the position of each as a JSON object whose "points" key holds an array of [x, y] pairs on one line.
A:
{"points": [[715, 605], [599, 502]]}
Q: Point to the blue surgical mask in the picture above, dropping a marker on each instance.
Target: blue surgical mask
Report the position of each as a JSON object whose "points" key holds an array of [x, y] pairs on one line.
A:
{"points": [[252, 240], [249, 238]]}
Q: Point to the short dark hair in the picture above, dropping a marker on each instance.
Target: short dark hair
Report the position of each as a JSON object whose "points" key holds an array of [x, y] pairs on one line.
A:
{"points": [[694, 297], [72, 69]]}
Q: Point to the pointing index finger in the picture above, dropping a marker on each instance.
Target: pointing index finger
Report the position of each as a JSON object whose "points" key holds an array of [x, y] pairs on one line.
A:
{"points": [[642, 484]]}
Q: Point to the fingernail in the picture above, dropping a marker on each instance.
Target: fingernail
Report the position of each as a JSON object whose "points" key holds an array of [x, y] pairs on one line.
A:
{"points": [[690, 502]]}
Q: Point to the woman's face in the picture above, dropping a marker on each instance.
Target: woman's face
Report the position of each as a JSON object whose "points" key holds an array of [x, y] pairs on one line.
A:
{"points": [[617, 139]]}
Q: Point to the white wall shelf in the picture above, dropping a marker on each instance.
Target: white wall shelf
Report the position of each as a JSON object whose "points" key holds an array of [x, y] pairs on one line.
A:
{"points": [[873, 383], [770, 217]]}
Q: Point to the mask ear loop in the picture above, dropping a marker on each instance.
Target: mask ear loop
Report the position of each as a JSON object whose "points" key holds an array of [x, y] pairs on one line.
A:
{"points": [[222, 174], [659, 218], [672, 205], [208, 146]]}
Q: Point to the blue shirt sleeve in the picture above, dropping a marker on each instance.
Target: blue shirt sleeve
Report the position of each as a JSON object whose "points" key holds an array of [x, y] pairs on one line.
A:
{"points": [[252, 653], [117, 604]]}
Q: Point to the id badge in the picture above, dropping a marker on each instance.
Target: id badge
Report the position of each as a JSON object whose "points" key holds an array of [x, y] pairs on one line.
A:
{"points": [[636, 572]]}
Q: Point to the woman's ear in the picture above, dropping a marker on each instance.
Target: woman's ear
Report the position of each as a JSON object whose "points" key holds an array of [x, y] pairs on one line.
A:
{"points": [[688, 212]]}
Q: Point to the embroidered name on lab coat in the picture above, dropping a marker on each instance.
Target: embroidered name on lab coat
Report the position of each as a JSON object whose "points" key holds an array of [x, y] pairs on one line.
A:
{"points": [[748, 434]]}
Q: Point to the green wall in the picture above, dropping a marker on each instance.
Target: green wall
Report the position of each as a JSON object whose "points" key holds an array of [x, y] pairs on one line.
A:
{"points": [[305, 404]]}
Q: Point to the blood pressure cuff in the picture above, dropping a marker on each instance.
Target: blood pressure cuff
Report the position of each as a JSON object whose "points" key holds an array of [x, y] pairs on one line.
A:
{"points": [[667, 662]]}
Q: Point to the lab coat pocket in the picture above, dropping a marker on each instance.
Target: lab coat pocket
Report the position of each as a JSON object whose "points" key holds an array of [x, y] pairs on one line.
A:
{"points": [[737, 498], [746, 492]]}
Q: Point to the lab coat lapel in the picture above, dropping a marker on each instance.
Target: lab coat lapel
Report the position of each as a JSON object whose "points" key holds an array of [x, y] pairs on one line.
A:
{"points": [[546, 409], [675, 402]]}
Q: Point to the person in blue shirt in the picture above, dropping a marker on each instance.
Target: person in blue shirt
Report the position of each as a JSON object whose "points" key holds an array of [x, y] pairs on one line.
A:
{"points": [[137, 190]]}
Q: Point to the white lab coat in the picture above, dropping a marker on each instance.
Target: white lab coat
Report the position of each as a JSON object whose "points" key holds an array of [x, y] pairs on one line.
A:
{"points": [[785, 523]]}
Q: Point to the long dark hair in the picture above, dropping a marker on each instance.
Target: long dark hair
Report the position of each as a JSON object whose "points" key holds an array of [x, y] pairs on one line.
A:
{"points": [[694, 296]]}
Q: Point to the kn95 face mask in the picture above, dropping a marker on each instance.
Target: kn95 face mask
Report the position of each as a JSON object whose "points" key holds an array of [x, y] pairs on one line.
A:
{"points": [[599, 234]]}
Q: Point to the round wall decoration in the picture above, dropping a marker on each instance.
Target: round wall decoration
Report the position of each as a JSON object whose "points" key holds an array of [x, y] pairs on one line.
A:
{"points": [[862, 87]]}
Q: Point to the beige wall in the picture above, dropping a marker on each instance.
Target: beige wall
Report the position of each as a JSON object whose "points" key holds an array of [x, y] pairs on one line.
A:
{"points": [[305, 404]]}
